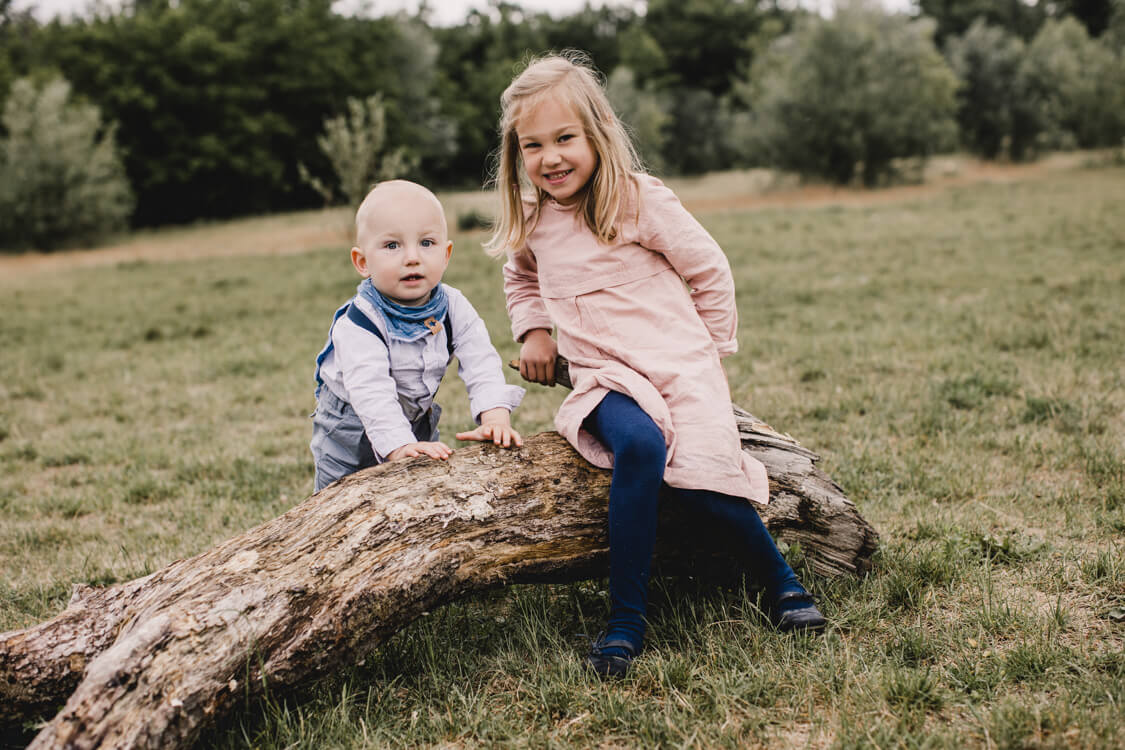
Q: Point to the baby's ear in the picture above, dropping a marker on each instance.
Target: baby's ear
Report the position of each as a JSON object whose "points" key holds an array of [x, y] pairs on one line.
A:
{"points": [[359, 260], [448, 251]]}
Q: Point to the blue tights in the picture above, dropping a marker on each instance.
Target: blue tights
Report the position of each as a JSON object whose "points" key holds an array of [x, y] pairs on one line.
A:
{"points": [[639, 456]]}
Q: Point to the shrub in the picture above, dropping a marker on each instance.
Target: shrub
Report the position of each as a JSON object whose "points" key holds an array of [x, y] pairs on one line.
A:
{"points": [[702, 133], [643, 111], [354, 143], [1114, 36], [1079, 85], [996, 114], [852, 93], [61, 178]]}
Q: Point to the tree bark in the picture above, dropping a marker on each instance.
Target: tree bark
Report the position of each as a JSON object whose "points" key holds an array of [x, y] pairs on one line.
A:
{"points": [[152, 662]]}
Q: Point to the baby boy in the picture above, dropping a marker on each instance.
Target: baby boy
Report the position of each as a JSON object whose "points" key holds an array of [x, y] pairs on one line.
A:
{"points": [[390, 344]]}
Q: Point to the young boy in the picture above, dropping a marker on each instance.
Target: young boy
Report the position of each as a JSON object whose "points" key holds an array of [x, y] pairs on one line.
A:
{"points": [[389, 346]]}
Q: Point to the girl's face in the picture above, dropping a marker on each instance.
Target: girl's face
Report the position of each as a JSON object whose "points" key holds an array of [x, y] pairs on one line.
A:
{"points": [[556, 152]]}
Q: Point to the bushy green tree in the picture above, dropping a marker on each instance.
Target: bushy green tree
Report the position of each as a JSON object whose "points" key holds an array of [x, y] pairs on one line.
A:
{"points": [[1093, 14], [477, 61], [998, 115], [61, 179], [644, 112], [218, 100], [1114, 37], [417, 122], [705, 43], [16, 29], [355, 145], [954, 17], [859, 90], [597, 31], [1078, 83], [642, 54], [701, 132]]}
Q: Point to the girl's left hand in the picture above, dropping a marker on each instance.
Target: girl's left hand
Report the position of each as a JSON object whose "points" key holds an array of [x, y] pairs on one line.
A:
{"points": [[500, 434]]}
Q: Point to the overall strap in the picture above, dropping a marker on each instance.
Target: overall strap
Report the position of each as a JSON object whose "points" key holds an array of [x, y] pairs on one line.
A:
{"points": [[448, 323], [356, 316]]}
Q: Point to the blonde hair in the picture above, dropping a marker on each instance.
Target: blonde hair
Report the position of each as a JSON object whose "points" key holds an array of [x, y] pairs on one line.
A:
{"points": [[568, 77]]}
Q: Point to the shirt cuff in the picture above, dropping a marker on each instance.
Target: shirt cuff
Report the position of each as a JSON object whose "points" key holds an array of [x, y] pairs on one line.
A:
{"points": [[726, 348], [390, 440], [495, 397], [523, 327]]}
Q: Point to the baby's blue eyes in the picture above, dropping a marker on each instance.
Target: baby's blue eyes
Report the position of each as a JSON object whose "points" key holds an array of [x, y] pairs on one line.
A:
{"points": [[394, 246]]}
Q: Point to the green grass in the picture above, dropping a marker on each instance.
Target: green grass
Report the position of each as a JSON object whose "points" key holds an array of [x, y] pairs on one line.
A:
{"points": [[956, 359]]}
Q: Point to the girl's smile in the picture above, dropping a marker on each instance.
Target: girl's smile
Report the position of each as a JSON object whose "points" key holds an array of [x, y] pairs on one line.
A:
{"points": [[556, 178], [557, 155]]}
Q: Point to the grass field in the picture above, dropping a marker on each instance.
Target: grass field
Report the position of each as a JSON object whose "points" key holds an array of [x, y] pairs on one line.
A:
{"points": [[957, 357]]}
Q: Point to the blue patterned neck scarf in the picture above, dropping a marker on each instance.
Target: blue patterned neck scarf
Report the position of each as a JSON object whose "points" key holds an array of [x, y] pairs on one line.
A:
{"points": [[407, 323]]}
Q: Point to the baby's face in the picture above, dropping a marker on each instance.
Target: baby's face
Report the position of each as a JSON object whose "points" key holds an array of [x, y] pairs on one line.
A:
{"points": [[403, 243]]}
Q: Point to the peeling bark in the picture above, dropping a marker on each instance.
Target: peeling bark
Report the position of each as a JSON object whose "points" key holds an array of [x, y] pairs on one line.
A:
{"points": [[152, 662]]}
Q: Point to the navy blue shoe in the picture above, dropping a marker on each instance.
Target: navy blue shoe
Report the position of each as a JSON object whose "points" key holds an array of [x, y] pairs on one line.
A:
{"points": [[796, 610], [610, 659]]}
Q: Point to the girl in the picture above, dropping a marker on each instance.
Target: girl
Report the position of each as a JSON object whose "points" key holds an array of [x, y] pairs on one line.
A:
{"points": [[600, 252]]}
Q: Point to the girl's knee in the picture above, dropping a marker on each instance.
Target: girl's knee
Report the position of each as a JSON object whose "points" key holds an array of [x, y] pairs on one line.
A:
{"points": [[644, 447], [629, 432]]}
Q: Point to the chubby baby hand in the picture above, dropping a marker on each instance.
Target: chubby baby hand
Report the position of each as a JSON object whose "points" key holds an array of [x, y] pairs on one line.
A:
{"points": [[440, 451]]}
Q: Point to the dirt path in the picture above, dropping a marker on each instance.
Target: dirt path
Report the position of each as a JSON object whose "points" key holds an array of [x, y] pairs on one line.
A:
{"points": [[285, 234]]}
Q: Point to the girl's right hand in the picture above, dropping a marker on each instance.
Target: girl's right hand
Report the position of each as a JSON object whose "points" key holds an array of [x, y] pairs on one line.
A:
{"points": [[537, 357]]}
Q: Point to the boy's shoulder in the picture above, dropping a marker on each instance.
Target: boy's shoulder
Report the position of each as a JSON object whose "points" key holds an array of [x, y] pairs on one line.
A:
{"points": [[367, 310], [359, 320]]}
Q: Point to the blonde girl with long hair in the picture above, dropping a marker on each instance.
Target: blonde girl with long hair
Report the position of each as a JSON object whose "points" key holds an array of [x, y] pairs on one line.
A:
{"points": [[641, 299]]}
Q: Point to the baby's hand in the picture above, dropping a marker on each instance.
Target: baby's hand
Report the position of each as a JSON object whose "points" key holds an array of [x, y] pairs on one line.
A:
{"points": [[500, 434], [440, 451]]}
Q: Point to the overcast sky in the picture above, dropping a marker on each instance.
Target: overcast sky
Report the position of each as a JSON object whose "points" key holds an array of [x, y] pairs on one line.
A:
{"points": [[443, 12]]}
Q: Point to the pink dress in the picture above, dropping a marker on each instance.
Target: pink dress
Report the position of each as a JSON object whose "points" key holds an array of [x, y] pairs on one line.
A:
{"points": [[627, 323]]}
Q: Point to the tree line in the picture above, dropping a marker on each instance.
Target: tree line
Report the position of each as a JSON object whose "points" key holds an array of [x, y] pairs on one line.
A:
{"points": [[169, 111]]}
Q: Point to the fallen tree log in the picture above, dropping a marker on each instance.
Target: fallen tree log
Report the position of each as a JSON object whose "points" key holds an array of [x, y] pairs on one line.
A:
{"points": [[151, 662]]}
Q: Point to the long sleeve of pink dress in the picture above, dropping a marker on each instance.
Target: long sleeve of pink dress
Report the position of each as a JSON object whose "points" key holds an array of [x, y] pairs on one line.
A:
{"points": [[649, 315]]}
